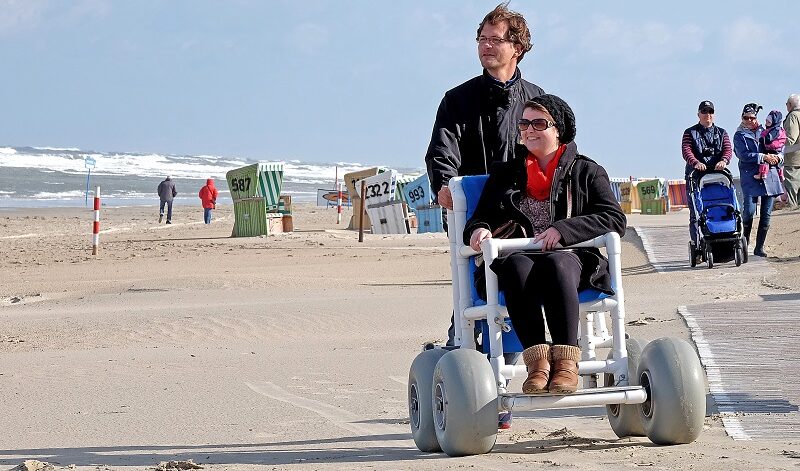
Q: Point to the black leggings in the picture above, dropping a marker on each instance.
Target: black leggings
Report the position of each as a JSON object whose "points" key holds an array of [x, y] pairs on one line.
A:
{"points": [[533, 281]]}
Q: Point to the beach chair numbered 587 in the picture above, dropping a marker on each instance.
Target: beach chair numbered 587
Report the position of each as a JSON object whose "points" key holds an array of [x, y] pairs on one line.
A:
{"points": [[455, 395]]}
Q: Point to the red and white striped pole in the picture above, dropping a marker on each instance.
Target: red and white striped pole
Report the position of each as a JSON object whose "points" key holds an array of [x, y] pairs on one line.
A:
{"points": [[96, 225], [339, 204]]}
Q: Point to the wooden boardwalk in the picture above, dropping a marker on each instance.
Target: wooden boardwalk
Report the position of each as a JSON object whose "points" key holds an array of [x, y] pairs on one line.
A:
{"points": [[745, 347]]}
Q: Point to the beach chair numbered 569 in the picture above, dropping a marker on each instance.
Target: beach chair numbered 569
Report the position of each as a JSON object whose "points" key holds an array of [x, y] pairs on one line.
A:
{"points": [[455, 395]]}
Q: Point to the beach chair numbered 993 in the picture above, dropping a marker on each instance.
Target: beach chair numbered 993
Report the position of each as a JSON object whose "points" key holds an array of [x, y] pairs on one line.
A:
{"points": [[455, 395]]}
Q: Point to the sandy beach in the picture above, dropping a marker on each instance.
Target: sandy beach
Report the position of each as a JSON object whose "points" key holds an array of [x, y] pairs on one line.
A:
{"points": [[291, 351]]}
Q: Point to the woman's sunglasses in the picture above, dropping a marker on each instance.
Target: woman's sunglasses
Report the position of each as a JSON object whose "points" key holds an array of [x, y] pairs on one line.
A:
{"points": [[539, 124]]}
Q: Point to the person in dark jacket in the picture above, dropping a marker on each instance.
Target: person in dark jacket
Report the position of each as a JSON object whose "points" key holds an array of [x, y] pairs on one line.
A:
{"points": [[746, 146], [166, 193], [559, 198], [208, 198], [476, 122], [704, 146]]}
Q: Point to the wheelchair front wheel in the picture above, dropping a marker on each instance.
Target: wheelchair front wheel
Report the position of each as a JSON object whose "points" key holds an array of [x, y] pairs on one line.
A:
{"points": [[675, 408]]}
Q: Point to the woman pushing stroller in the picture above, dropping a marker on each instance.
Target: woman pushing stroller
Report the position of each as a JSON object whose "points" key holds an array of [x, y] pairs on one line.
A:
{"points": [[551, 193]]}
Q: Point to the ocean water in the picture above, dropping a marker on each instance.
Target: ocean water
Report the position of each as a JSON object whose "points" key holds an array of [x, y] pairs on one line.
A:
{"points": [[48, 176]]}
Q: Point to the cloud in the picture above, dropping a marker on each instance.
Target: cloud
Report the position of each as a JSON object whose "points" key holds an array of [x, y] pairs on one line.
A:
{"points": [[640, 43], [18, 15], [746, 40], [24, 15]]}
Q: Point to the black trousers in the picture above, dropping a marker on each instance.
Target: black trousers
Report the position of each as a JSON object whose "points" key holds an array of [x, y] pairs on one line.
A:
{"points": [[547, 280]]}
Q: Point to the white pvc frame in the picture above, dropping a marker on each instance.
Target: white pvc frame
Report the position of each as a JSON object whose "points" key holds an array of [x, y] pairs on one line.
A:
{"points": [[593, 332]]}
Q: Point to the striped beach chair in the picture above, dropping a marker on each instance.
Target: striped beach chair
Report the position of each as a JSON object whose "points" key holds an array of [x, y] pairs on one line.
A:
{"points": [[676, 194], [402, 182], [255, 190], [615, 187]]}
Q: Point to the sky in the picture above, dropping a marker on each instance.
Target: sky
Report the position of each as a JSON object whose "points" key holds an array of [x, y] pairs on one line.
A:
{"points": [[360, 81]]}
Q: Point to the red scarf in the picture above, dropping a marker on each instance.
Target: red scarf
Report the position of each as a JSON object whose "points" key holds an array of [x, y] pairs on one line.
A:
{"points": [[539, 182]]}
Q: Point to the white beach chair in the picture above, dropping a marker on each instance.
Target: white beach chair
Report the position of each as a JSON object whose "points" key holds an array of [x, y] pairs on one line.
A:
{"points": [[455, 395]]}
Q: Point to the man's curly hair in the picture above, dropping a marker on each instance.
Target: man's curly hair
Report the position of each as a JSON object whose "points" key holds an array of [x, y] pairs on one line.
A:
{"points": [[518, 31]]}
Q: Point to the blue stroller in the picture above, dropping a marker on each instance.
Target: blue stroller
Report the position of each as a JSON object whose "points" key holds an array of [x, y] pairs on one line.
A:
{"points": [[718, 219]]}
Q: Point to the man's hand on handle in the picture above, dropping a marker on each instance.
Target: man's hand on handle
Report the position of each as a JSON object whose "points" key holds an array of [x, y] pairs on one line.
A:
{"points": [[700, 166], [445, 198], [720, 165]]}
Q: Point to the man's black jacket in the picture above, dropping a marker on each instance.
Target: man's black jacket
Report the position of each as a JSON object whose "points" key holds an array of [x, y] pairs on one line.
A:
{"points": [[476, 125]]}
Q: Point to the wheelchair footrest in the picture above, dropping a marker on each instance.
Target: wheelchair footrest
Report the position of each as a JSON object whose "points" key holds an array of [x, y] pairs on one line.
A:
{"points": [[580, 398]]}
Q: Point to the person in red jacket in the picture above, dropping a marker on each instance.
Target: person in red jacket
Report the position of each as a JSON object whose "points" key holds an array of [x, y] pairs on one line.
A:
{"points": [[208, 196]]}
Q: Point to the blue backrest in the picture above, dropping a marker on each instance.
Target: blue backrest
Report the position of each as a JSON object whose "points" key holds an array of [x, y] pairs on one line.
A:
{"points": [[717, 193], [473, 187]]}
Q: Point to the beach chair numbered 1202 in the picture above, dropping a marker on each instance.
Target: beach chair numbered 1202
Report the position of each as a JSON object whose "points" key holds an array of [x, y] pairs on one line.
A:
{"points": [[455, 394]]}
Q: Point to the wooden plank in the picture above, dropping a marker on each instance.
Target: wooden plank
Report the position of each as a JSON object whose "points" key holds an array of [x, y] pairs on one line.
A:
{"points": [[752, 373]]}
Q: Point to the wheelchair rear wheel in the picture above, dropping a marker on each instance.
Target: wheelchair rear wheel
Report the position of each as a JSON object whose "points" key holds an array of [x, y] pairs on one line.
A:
{"points": [[465, 403], [624, 418], [420, 402]]}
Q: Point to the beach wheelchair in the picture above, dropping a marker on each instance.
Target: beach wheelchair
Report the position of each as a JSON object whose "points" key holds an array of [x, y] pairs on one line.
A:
{"points": [[456, 394]]}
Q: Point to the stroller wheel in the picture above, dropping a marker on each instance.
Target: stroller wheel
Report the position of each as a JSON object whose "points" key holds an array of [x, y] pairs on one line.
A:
{"points": [[692, 255], [709, 258], [737, 256], [744, 250]]}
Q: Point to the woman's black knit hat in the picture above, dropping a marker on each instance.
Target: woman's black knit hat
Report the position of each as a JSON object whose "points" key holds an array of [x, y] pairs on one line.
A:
{"points": [[562, 115], [753, 108]]}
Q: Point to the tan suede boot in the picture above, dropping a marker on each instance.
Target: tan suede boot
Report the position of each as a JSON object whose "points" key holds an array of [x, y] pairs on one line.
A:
{"points": [[565, 369], [537, 360]]}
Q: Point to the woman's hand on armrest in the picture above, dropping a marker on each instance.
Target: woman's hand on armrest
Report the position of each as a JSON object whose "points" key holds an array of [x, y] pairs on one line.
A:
{"points": [[549, 238], [479, 235]]}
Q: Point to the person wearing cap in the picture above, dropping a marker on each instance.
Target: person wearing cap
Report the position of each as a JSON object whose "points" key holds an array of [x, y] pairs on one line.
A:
{"points": [[791, 124], [166, 193], [704, 146], [746, 146], [559, 197]]}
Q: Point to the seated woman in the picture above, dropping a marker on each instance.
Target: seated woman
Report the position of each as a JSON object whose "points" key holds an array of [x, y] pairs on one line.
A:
{"points": [[559, 197]]}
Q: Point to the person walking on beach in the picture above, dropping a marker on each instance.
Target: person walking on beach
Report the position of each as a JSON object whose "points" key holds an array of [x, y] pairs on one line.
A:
{"points": [[746, 146], [166, 193], [705, 146], [791, 169], [208, 198], [476, 123]]}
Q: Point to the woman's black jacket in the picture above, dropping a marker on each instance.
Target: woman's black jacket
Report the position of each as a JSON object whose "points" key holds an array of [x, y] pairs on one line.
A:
{"points": [[595, 210]]}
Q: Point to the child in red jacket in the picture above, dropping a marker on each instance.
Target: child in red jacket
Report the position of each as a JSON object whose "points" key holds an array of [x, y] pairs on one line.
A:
{"points": [[208, 196]]}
